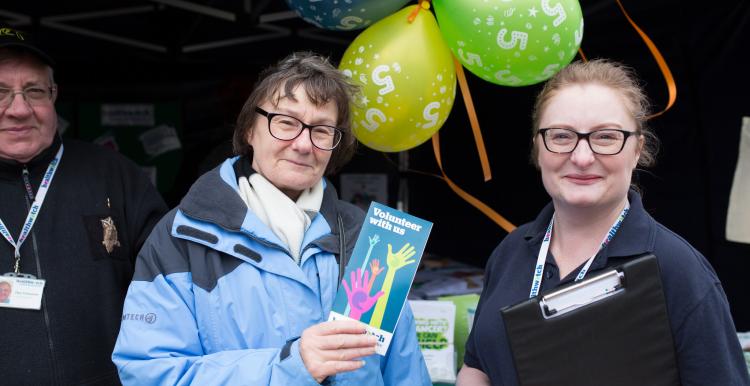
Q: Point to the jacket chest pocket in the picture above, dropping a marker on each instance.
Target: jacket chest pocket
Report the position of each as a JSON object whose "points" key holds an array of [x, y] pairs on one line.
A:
{"points": [[104, 232]]}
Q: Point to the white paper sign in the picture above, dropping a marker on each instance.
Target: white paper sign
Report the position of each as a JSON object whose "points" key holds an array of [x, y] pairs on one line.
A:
{"points": [[159, 140], [127, 115], [738, 214], [435, 322]]}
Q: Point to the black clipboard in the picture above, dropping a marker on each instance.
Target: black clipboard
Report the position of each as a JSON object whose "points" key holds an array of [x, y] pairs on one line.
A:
{"points": [[609, 329]]}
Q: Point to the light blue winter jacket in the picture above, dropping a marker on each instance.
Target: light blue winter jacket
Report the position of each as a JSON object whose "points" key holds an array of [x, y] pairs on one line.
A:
{"points": [[216, 299]]}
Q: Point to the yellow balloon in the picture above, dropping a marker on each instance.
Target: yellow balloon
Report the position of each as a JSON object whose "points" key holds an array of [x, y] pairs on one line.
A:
{"points": [[408, 81]]}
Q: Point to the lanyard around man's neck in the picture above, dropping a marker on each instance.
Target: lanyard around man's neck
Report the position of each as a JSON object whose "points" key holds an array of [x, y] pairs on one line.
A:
{"points": [[36, 205]]}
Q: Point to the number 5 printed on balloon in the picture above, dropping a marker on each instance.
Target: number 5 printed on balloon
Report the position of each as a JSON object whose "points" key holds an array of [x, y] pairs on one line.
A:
{"points": [[358, 295], [395, 262], [370, 123], [470, 58], [430, 115], [385, 81]]}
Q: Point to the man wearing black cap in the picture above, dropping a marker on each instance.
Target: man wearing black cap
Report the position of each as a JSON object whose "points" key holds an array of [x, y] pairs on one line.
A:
{"points": [[73, 216]]}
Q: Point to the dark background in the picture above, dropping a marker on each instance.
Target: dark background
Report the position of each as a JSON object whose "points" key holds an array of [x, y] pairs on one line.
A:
{"points": [[149, 52]]}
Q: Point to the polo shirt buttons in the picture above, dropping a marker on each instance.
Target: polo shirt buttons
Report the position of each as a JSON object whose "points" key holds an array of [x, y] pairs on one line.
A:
{"points": [[549, 274]]}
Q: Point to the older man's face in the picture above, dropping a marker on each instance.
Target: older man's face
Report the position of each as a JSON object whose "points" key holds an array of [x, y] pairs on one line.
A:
{"points": [[26, 127]]}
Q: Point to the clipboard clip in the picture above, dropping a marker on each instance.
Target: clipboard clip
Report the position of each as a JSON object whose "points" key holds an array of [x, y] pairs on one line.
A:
{"points": [[583, 293]]}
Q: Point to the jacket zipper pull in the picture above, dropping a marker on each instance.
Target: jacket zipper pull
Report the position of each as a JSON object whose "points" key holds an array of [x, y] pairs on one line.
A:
{"points": [[27, 183]]}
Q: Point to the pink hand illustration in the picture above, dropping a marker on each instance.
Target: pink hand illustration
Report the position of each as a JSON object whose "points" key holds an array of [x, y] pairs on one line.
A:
{"points": [[358, 295]]}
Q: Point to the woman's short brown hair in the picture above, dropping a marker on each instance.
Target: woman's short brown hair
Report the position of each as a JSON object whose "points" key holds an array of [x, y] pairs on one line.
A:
{"points": [[616, 76], [323, 83]]}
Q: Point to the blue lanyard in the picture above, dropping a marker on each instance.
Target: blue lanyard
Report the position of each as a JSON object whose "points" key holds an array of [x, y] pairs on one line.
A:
{"points": [[33, 211], [536, 282]]}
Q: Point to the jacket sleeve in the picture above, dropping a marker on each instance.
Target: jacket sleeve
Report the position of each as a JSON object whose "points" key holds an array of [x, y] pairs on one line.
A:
{"points": [[708, 351], [160, 342], [404, 364]]}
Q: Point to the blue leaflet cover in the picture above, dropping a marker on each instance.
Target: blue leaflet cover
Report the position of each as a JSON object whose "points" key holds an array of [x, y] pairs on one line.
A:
{"points": [[378, 276]]}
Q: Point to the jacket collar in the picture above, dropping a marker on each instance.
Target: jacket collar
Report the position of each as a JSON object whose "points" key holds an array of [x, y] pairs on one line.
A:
{"points": [[637, 234], [214, 200], [12, 169]]}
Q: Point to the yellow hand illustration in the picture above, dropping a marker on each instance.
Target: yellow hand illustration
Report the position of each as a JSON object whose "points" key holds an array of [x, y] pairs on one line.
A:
{"points": [[395, 262], [400, 258]]}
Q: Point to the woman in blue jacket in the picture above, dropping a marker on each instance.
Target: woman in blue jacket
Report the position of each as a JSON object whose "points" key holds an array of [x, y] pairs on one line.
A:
{"points": [[234, 286]]}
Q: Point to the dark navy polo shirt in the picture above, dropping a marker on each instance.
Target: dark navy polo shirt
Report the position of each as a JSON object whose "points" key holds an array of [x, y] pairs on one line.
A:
{"points": [[708, 351]]}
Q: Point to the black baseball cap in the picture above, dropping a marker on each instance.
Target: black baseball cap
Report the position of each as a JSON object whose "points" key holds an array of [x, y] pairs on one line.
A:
{"points": [[10, 37]]}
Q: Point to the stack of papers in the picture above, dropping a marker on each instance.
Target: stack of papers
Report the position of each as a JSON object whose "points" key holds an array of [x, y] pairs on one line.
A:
{"points": [[440, 276]]}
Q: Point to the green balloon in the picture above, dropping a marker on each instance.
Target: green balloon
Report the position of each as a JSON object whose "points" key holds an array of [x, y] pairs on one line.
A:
{"points": [[511, 42]]}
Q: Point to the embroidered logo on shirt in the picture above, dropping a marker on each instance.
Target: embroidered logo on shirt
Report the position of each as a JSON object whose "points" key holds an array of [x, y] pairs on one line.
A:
{"points": [[149, 318], [109, 234]]}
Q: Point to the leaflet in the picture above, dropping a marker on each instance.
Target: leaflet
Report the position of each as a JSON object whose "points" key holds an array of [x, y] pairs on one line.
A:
{"points": [[379, 274]]}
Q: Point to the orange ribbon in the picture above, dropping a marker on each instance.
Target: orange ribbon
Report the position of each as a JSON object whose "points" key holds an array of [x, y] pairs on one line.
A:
{"points": [[489, 212], [583, 57], [671, 86], [469, 103]]}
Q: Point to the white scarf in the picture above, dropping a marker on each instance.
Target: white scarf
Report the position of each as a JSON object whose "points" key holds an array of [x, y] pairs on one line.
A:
{"points": [[288, 220]]}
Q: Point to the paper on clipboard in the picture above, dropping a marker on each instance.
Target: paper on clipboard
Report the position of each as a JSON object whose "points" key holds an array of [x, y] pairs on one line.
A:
{"points": [[578, 295]]}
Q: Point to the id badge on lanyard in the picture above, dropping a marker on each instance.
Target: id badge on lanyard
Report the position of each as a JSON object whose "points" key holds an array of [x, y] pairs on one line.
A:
{"points": [[17, 289]]}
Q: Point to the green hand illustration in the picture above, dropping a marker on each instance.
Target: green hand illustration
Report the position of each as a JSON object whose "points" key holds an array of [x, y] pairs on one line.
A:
{"points": [[395, 262]]}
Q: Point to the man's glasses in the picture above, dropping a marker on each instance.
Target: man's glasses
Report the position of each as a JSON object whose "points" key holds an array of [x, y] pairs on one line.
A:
{"points": [[287, 128], [34, 96], [604, 141]]}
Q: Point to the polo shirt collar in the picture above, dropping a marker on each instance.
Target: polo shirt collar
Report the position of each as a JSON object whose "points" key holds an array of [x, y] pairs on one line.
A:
{"points": [[637, 234]]}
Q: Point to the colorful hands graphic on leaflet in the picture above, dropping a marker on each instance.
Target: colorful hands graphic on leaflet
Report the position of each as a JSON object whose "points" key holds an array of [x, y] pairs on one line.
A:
{"points": [[359, 292]]}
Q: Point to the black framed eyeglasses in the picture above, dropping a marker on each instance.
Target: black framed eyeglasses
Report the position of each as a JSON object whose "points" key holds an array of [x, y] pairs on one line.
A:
{"points": [[34, 96], [603, 142], [287, 128]]}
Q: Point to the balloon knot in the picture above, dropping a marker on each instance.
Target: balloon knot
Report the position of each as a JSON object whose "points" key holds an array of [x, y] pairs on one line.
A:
{"points": [[423, 4]]}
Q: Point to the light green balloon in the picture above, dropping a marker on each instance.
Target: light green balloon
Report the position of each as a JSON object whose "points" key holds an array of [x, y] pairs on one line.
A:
{"points": [[511, 42]]}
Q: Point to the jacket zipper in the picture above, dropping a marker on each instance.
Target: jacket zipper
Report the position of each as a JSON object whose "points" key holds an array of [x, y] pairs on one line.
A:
{"points": [[343, 260], [44, 298]]}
